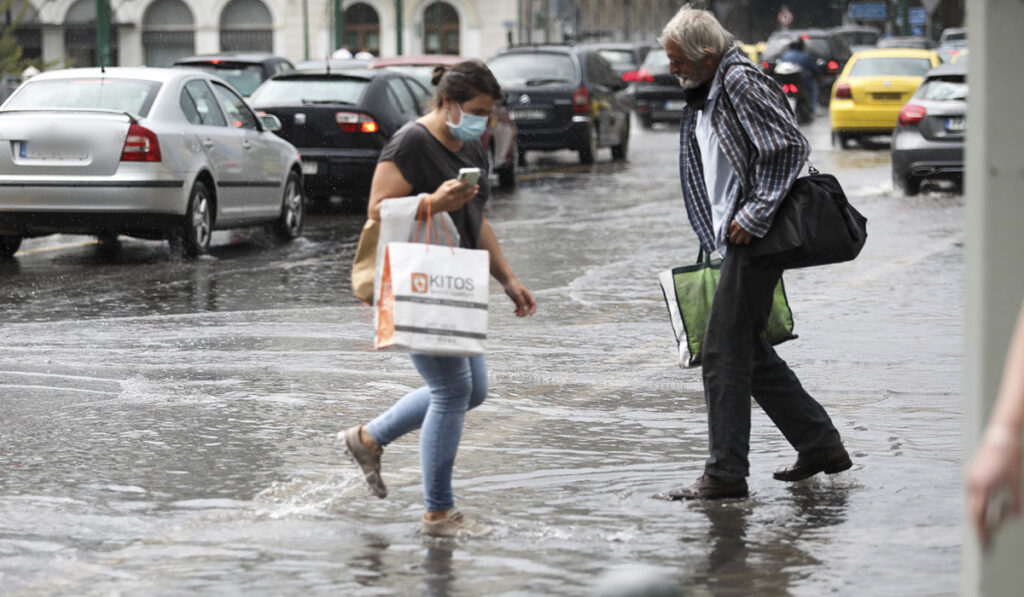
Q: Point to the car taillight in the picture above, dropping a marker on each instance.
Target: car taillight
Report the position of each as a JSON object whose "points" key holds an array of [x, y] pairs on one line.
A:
{"points": [[843, 91], [833, 67], [912, 114], [767, 67], [353, 122], [140, 145], [629, 76], [644, 76], [790, 88], [581, 101]]}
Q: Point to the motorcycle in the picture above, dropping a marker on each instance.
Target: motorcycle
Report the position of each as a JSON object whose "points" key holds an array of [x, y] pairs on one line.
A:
{"points": [[790, 76]]}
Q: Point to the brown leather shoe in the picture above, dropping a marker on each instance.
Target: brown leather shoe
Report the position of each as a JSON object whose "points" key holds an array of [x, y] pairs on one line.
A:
{"points": [[710, 487], [808, 466]]}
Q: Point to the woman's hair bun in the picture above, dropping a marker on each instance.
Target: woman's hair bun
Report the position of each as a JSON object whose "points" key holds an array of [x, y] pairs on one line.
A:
{"points": [[439, 72]]}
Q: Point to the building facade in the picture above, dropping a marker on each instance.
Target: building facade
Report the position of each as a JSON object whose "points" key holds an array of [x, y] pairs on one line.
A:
{"points": [[156, 32]]}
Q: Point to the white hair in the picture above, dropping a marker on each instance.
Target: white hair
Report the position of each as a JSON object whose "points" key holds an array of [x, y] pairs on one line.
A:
{"points": [[697, 33]]}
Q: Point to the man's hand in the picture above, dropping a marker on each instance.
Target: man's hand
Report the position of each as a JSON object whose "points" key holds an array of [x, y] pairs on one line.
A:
{"points": [[737, 234]]}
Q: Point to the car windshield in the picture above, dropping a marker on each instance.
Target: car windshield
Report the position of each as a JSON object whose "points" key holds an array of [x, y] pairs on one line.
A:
{"points": [[860, 38], [953, 37], [891, 67], [422, 73], [533, 69], [943, 90], [622, 59], [245, 78], [311, 90], [656, 62], [815, 46], [123, 95], [919, 44]]}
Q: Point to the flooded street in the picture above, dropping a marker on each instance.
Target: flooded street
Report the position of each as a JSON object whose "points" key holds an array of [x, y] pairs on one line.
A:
{"points": [[168, 428]]}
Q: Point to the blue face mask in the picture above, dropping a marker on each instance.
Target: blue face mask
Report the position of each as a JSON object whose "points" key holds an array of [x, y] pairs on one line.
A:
{"points": [[470, 127]]}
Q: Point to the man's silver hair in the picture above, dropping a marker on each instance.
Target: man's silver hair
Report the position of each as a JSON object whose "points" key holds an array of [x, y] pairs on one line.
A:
{"points": [[697, 33]]}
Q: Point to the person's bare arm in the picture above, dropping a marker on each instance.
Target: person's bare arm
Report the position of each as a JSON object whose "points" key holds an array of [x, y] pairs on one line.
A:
{"points": [[502, 272], [388, 183], [997, 463]]}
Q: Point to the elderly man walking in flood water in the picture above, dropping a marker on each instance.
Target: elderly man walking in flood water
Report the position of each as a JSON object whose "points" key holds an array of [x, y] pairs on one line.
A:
{"points": [[740, 151]]}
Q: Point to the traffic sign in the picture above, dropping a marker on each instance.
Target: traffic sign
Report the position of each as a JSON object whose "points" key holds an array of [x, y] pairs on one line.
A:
{"points": [[867, 11], [785, 17]]}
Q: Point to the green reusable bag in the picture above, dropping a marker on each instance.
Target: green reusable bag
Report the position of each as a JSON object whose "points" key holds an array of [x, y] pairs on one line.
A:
{"points": [[689, 291]]}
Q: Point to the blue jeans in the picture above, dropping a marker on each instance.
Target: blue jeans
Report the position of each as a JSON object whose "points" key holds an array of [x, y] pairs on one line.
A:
{"points": [[454, 386]]}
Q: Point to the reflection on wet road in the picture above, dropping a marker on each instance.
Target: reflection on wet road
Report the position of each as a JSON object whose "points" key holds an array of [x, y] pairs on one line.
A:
{"points": [[167, 428]]}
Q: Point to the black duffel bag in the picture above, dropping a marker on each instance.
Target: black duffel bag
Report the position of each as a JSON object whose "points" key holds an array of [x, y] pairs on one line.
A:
{"points": [[814, 225]]}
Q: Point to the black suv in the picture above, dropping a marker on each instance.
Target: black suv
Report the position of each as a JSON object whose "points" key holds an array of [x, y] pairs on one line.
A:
{"points": [[829, 49], [242, 71], [564, 97]]}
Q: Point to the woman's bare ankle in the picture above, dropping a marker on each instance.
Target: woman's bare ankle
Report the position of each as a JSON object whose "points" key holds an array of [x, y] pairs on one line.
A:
{"points": [[435, 515], [367, 439]]}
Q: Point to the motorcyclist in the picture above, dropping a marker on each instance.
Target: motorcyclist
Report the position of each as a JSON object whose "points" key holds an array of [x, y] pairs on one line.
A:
{"points": [[797, 53]]}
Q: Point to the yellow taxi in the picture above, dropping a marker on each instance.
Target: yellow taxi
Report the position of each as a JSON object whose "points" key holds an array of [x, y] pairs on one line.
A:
{"points": [[874, 85], [752, 51]]}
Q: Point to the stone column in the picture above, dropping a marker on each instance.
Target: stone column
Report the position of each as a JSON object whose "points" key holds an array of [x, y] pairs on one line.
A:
{"points": [[994, 202]]}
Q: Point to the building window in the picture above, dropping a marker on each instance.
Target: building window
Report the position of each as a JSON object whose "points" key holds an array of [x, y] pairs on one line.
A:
{"points": [[28, 31], [362, 29], [440, 29], [80, 35], [245, 26], [167, 32]]}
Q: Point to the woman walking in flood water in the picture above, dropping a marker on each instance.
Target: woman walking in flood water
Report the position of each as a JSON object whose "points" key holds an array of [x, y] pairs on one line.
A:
{"points": [[424, 156]]}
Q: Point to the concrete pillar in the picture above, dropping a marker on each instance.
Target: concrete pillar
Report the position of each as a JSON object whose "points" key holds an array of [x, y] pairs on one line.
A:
{"points": [[995, 247], [53, 45]]}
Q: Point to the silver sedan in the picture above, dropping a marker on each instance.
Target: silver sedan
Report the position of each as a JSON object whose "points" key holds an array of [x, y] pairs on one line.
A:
{"points": [[148, 152]]}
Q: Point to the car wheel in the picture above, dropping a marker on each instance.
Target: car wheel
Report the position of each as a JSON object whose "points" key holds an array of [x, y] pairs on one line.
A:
{"points": [[910, 185], [522, 157], [842, 140], [192, 237], [589, 151], [646, 123], [107, 244], [619, 151], [293, 210], [9, 245], [508, 176]]}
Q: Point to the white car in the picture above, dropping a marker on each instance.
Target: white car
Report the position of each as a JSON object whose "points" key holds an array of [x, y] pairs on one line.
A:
{"points": [[145, 152]]}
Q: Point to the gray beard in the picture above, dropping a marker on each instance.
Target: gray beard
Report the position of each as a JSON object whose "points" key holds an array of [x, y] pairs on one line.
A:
{"points": [[687, 83]]}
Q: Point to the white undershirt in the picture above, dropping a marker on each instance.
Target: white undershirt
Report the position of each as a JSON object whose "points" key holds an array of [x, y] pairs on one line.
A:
{"points": [[718, 172]]}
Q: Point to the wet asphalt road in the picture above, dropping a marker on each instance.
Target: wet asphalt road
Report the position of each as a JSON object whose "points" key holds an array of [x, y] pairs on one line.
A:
{"points": [[167, 428]]}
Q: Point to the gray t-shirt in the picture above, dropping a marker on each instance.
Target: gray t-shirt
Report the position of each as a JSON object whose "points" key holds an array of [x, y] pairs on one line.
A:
{"points": [[426, 163]]}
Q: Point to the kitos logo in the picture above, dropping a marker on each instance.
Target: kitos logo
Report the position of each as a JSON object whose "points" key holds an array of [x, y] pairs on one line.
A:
{"points": [[424, 283]]}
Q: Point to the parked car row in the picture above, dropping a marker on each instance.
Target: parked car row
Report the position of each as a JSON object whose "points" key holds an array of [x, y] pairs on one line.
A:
{"points": [[215, 142], [146, 152]]}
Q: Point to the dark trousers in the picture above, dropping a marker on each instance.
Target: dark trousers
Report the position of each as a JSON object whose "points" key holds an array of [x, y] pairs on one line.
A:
{"points": [[738, 364]]}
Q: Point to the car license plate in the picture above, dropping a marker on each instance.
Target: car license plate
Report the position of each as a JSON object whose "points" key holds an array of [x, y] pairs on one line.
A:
{"points": [[528, 114], [887, 96], [310, 167], [675, 105], [956, 124], [52, 151]]}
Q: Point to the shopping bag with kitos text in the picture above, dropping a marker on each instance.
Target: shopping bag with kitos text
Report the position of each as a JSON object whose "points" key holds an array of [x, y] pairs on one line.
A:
{"points": [[433, 299]]}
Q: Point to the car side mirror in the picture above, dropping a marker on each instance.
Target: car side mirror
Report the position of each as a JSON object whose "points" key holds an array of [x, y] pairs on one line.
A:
{"points": [[271, 123]]}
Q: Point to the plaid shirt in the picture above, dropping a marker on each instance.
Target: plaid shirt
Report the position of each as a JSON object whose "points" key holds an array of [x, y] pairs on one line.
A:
{"points": [[760, 138]]}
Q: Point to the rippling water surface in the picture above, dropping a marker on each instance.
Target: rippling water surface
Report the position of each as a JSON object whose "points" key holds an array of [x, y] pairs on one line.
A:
{"points": [[167, 428]]}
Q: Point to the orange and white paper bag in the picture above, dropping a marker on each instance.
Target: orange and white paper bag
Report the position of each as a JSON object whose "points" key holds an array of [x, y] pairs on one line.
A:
{"points": [[433, 299]]}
